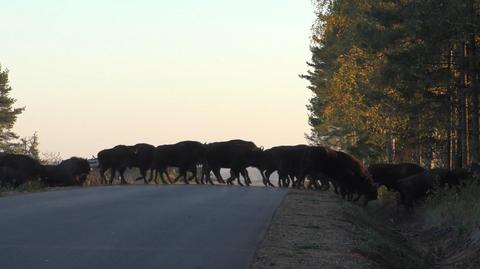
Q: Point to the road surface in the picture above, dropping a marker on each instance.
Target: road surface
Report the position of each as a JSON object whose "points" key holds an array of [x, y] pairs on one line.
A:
{"points": [[136, 227]]}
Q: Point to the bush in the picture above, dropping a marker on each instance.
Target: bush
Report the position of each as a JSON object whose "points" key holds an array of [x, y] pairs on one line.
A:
{"points": [[456, 207]]}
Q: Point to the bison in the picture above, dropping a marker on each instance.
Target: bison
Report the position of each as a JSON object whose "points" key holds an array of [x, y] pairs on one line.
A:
{"points": [[143, 160], [451, 178], [116, 159], [348, 172], [234, 154], [415, 188], [388, 174], [18, 169], [185, 155], [288, 164], [286, 160], [73, 171]]}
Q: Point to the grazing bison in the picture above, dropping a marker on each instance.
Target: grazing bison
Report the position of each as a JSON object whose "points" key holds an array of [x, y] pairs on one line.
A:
{"points": [[11, 176], [185, 155], [234, 154], [18, 169], [144, 155], [388, 174], [451, 178], [322, 182], [73, 171], [348, 172], [116, 159], [414, 189]]}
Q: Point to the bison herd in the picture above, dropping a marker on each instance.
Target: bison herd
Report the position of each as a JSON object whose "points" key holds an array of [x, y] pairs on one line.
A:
{"points": [[322, 167], [197, 161], [17, 169]]}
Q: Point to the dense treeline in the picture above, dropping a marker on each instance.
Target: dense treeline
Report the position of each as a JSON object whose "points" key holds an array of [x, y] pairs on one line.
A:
{"points": [[397, 80]]}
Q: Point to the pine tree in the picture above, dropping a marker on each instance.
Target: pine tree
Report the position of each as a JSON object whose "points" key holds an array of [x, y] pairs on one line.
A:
{"points": [[397, 80], [8, 114]]}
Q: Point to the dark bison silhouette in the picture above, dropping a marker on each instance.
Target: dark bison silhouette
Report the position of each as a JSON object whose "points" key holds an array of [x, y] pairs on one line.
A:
{"points": [[185, 155], [17, 169], [415, 188], [143, 160], [388, 174], [350, 174], [116, 159], [73, 171], [235, 154], [452, 178], [286, 161]]}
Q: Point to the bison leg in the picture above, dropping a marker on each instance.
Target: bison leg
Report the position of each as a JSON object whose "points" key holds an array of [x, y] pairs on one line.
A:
{"points": [[300, 182], [264, 179], [155, 178], [143, 175], [182, 173], [216, 172], [312, 183], [237, 175], [193, 170], [112, 175], [358, 197], [287, 180], [164, 181], [343, 192], [268, 173], [102, 176], [325, 184], [231, 178], [196, 179], [335, 187], [206, 173], [150, 178], [208, 178], [246, 177], [122, 176], [193, 176]]}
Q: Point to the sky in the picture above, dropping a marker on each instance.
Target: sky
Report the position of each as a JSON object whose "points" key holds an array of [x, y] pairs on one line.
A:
{"points": [[94, 74]]}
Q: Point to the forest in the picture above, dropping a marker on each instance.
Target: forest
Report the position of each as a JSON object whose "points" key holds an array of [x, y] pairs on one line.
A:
{"points": [[396, 80]]}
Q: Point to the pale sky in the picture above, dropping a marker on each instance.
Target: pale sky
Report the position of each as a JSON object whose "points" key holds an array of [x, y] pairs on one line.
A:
{"points": [[94, 74]]}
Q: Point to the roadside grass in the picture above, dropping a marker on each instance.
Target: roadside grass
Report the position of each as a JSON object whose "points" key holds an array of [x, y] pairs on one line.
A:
{"points": [[30, 186], [457, 207], [378, 237], [444, 231]]}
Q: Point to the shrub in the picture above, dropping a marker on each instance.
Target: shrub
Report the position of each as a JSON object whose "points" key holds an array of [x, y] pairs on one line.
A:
{"points": [[456, 207]]}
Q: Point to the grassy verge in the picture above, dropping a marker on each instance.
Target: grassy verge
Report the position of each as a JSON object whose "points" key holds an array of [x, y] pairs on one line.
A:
{"points": [[443, 232], [30, 186]]}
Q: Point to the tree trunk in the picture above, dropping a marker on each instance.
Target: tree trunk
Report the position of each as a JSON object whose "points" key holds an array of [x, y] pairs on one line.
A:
{"points": [[463, 109], [451, 119], [473, 89], [390, 148], [448, 160]]}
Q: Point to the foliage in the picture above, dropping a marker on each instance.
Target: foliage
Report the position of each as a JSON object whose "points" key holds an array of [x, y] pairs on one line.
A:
{"points": [[8, 114], [388, 78], [456, 207]]}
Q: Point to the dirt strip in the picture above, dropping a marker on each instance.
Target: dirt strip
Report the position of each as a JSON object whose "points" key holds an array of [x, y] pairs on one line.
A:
{"points": [[309, 230]]}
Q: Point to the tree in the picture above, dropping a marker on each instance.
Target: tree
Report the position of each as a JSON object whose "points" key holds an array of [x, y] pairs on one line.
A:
{"points": [[397, 80], [8, 114], [29, 146]]}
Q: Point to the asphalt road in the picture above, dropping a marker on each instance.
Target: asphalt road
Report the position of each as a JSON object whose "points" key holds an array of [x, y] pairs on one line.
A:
{"points": [[136, 227]]}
